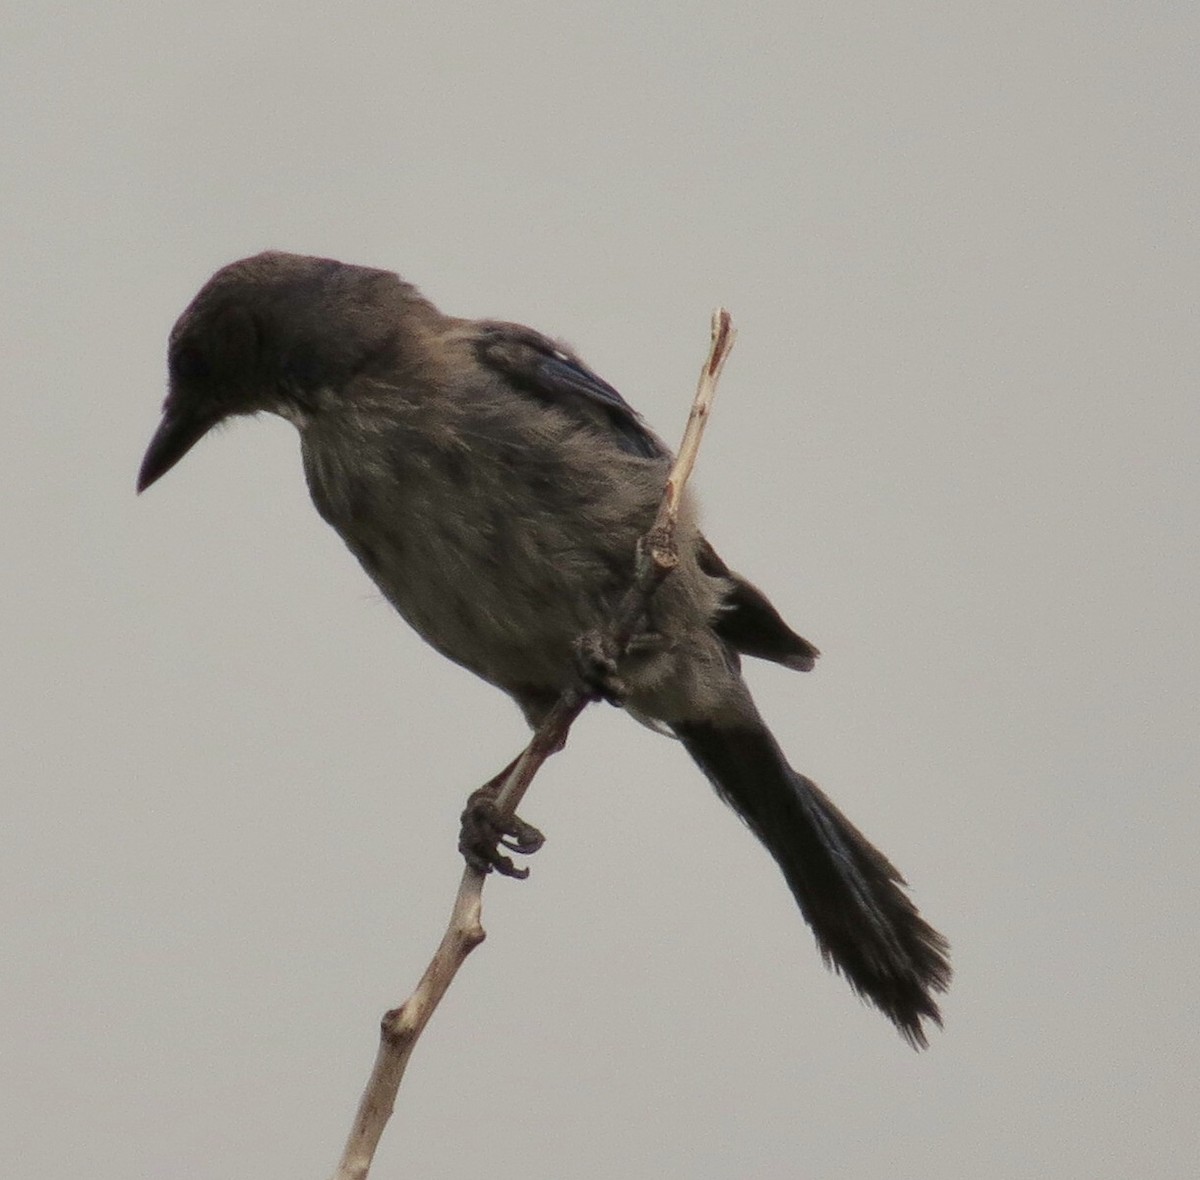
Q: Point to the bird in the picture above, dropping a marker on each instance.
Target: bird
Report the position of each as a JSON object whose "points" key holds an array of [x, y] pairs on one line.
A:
{"points": [[495, 488]]}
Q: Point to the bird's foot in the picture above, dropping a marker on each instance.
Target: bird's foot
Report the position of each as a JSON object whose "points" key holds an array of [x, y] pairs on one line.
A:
{"points": [[484, 832], [596, 662]]}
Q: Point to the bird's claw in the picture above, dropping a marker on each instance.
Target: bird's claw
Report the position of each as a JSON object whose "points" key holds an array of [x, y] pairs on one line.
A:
{"points": [[597, 666], [484, 832]]}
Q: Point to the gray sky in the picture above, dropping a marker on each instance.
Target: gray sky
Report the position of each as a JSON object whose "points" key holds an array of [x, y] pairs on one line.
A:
{"points": [[956, 442]]}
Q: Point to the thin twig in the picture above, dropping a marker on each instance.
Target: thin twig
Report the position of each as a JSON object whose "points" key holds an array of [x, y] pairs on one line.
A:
{"points": [[402, 1027]]}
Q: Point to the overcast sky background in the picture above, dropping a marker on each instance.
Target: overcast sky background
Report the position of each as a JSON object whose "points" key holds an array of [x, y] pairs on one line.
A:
{"points": [[956, 442]]}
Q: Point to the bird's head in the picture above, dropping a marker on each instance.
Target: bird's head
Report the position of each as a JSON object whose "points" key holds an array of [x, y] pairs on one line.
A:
{"points": [[272, 332]]}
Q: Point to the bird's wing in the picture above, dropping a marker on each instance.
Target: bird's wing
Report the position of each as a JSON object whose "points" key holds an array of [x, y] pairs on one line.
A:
{"points": [[749, 623], [535, 364]]}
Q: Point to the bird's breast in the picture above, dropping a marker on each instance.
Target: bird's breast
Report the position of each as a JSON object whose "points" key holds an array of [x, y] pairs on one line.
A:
{"points": [[479, 560]]}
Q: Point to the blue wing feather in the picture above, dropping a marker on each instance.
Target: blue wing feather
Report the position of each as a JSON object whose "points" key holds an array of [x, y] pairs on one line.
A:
{"points": [[535, 364]]}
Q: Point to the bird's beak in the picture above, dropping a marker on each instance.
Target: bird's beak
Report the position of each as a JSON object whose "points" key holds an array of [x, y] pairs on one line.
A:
{"points": [[179, 431]]}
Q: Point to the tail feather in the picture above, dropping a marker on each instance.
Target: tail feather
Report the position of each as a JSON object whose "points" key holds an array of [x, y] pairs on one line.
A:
{"points": [[866, 927]]}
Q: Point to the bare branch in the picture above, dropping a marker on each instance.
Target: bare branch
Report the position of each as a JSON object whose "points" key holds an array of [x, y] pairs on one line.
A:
{"points": [[402, 1027]]}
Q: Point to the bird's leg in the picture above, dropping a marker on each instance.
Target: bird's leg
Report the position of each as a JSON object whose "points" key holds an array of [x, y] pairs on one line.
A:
{"points": [[484, 832]]}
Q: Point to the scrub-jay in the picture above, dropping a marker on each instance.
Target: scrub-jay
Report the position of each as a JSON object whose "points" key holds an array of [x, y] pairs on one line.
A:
{"points": [[494, 488]]}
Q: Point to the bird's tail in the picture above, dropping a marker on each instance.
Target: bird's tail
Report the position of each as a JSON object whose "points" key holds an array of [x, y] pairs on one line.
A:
{"points": [[864, 923]]}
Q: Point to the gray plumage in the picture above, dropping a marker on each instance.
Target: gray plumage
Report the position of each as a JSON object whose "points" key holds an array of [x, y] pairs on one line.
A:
{"points": [[494, 488]]}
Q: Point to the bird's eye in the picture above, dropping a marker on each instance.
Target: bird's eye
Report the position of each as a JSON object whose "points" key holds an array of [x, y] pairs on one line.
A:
{"points": [[188, 363]]}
